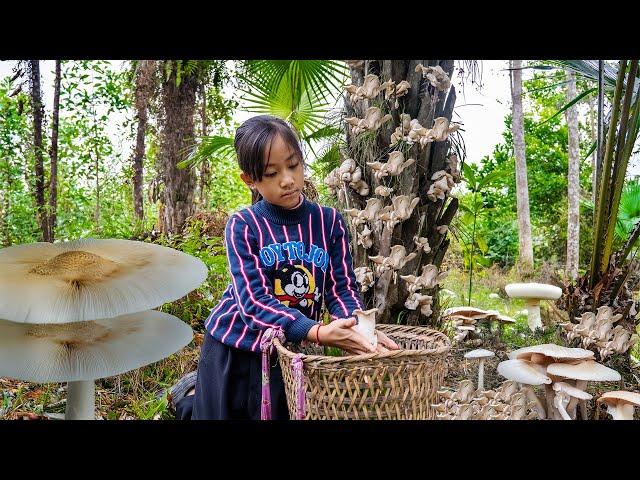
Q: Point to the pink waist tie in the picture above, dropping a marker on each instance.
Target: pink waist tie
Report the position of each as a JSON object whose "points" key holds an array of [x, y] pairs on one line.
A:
{"points": [[266, 347]]}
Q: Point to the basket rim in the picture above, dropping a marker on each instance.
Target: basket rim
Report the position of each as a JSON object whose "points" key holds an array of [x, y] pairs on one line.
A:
{"points": [[391, 354]]}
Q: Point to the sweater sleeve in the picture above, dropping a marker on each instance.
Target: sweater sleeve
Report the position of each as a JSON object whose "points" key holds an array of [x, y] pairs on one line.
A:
{"points": [[341, 293], [258, 307]]}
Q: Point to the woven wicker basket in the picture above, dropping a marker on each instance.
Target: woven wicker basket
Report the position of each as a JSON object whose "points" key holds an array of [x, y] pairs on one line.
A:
{"points": [[398, 385]]}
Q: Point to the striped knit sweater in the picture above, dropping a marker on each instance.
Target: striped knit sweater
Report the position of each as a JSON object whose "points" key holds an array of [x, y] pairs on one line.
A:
{"points": [[283, 265]]}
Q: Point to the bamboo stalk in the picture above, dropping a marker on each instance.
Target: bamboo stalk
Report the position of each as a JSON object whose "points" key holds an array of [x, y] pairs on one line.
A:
{"points": [[623, 152], [603, 190]]}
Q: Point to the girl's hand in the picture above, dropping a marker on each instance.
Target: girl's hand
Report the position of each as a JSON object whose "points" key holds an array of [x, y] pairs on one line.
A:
{"points": [[385, 343], [340, 334]]}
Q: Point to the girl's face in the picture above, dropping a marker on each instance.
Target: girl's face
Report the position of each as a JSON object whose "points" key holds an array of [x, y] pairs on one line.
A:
{"points": [[283, 178]]}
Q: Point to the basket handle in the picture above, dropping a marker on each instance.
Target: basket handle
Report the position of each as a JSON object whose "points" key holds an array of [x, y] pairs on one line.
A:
{"points": [[266, 346]]}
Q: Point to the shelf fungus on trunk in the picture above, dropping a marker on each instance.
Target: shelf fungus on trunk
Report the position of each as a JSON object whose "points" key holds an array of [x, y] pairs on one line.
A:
{"points": [[369, 89], [373, 120], [88, 279], [436, 76], [364, 276], [392, 167], [364, 237], [395, 261], [442, 185]]}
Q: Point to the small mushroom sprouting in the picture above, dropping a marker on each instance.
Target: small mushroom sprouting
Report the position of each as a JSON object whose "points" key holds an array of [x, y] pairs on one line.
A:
{"points": [[422, 243], [620, 404], [443, 183], [373, 120], [395, 261], [383, 191], [364, 237], [402, 130], [369, 89], [532, 293], [364, 276], [436, 76], [394, 166], [366, 325], [480, 354]]}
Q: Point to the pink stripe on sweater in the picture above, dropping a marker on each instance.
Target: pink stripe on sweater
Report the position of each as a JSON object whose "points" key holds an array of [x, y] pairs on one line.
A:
{"points": [[272, 236], [215, 310], [246, 279], [344, 265], [258, 227], [231, 308], [230, 325], [255, 344], [333, 280], [244, 330]]}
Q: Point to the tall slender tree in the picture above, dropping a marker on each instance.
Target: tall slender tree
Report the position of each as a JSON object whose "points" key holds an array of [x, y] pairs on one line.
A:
{"points": [[522, 187], [37, 110], [573, 181], [144, 86], [53, 155]]}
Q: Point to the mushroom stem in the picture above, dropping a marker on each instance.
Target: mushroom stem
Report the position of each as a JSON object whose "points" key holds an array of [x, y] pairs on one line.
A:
{"points": [[572, 407], [81, 400], [481, 375], [563, 412], [533, 314], [621, 412]]}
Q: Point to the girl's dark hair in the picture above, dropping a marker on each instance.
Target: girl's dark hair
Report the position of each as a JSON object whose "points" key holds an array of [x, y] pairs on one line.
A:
{"points": [[253, 142]]}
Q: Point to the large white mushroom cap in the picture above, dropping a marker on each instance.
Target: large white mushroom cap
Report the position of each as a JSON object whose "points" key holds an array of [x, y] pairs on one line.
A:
{"points": [[620, 397], [552, 350], [589, 370], [92, 279], [539, 291], [82, 351], [523, 371]]}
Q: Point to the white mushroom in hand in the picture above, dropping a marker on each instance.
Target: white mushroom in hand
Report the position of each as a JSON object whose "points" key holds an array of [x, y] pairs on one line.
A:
{"points": [[620, 404], [88, 279], [81, 352], [532, 293], [480, 354], [366, 325]]}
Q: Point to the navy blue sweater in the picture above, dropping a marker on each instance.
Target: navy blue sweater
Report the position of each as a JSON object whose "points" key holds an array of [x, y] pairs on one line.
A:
{"points": [[283, 265]]}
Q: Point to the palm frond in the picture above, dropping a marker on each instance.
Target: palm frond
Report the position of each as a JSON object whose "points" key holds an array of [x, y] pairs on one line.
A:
{"points": [[209, 148]]}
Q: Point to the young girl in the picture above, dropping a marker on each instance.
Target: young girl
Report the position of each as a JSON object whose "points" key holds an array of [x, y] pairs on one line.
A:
{"points": [[286, 256]]}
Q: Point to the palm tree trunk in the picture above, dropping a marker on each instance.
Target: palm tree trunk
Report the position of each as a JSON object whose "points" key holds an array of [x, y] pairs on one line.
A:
{"points": [[37, 111], [178, 108], [53, 179], [522, 188], [424, 103], [573, 183]]}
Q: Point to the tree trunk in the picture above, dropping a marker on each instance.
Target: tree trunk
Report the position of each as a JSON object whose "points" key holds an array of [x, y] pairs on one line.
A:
{"points": [[144, 88], [594, 155], [573, 182], [38, 111], [424, 103], [178, 108], [522, 188], [53, 154], [205, 170]]}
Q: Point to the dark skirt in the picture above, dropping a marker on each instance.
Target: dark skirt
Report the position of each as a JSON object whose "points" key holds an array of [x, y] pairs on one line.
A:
{"points": [[229, 386]]}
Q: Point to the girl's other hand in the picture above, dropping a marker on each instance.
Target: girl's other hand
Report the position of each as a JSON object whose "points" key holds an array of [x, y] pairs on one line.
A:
{"points": [[386, 342]]}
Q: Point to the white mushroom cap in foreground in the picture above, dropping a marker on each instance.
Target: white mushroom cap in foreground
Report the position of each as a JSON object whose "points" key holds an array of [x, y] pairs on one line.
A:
{"points": [[479, 353], [620, 403], [552, 350], [571, 391], [82, 351], [588, 370], [92, 279], [540, 291], [523, 371]]}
